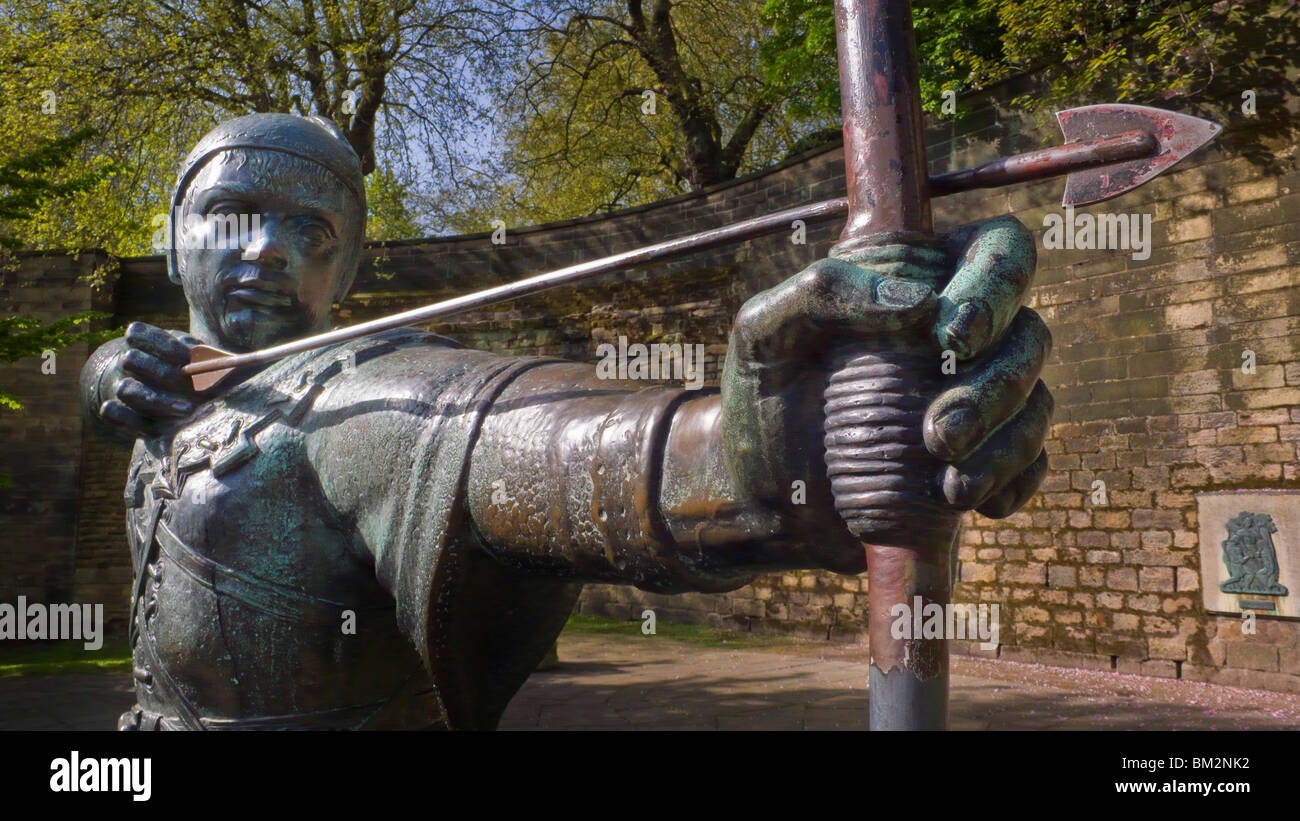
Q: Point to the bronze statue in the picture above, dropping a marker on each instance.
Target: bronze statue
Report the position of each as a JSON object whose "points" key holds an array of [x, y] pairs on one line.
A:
{"points": [[391, 531]]}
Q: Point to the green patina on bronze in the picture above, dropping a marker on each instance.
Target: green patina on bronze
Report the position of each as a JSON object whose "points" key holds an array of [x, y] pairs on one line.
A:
{"points": [[1251, 557], [391, 531]]}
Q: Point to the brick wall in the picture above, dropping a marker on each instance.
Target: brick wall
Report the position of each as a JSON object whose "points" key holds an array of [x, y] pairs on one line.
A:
{"points": [[1150, 396]]}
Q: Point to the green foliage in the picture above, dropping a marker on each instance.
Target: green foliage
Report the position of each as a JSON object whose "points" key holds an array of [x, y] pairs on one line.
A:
{"points": [[1113, 50], [1120, 51], [800, 53], [67, 66], [605, 116], [153, 76], [26, 187], [24, 336], [389, 216]]}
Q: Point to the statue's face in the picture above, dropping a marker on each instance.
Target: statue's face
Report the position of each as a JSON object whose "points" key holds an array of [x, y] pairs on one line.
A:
{"points": [[266, 244]]}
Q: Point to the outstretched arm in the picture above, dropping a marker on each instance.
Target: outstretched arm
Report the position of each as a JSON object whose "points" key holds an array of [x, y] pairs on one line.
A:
{"points": [[601, 480], [673, 490]]}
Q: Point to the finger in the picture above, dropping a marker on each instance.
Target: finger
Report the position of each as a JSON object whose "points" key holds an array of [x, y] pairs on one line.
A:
{"points": [[151, 403], [830, 298], [159, 343], [155, 372], [914, 261], [116, 412], [1018, 491], [988, 391], [994, 268], [1008, 452]]}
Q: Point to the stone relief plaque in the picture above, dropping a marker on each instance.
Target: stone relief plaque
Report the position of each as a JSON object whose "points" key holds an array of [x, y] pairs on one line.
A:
{"points": [[1250, 551]]}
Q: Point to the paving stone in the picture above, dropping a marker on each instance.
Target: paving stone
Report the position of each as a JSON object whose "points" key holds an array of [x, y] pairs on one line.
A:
{"points": [[619, 683]]}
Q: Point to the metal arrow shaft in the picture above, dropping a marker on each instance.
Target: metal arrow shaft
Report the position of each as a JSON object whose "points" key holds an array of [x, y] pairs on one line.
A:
{"points": [[1034, 165]]}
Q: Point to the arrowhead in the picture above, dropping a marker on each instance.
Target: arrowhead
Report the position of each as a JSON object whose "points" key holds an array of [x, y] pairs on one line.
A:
{"points": [[1177, 135], [208, 378]]}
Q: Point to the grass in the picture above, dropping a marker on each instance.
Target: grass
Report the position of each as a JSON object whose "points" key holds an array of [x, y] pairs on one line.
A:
{"points": [[64, 657], [700, 634]]}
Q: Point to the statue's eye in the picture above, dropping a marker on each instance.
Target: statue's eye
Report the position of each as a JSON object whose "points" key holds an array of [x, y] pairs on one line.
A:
{"points": [[225, 207], [314, 232]]}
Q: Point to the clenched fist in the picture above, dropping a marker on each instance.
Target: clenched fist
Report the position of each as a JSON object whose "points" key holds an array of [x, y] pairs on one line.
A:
{"points": [[135, 386], [978, 425]]}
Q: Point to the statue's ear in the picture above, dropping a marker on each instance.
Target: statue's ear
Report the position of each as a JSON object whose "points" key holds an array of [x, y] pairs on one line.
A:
{"points": [[345, 286], [355, 264]]}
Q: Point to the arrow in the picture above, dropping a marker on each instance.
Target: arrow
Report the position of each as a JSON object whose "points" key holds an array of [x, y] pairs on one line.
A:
{"points": [[1109, 149]]}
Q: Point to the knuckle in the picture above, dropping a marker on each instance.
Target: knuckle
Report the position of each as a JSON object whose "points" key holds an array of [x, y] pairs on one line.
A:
{"points": [[1015, 270], [1018, 241], [827, 276], [1034, 324], [1012, 225], [816, 279], [963, 491], [137, 330], [749, 320], [749, 315], [1049, 401], [137, 359]]}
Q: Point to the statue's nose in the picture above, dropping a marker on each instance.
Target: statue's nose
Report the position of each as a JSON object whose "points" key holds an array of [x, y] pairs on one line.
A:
{"points": [[266, 247]]}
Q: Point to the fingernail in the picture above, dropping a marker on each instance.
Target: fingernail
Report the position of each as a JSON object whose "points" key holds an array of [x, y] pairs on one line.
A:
{"points": [[900, 293], [952, 431], [967, 492], [967, 331]]}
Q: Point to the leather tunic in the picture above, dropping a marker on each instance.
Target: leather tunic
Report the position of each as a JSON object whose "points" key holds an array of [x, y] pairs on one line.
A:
{"points": [[282, 582]]}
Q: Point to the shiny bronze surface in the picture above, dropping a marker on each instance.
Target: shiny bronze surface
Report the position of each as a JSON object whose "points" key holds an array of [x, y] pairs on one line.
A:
{"points": [[391, 530]]}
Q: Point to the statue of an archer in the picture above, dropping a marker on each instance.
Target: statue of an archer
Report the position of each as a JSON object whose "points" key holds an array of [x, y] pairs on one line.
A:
{"points": [[448, 504], [360, 477]]}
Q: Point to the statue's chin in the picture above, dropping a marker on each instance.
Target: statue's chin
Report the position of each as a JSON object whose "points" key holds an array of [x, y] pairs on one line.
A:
{"points": [[250, 328]]}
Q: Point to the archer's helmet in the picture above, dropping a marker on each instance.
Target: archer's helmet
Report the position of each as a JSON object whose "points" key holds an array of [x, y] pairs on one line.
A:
{"points": [[311, 138]]}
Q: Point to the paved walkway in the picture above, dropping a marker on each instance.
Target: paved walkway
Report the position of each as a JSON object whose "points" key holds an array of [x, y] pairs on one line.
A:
{"points": [[650, 683]]}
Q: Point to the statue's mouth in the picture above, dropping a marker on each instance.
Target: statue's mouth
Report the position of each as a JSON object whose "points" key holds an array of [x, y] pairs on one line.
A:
{"points": [[263, 298], [261, 293]]}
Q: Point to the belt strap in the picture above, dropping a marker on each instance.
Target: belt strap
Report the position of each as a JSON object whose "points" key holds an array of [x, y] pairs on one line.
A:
{"points": [[271, 598]]}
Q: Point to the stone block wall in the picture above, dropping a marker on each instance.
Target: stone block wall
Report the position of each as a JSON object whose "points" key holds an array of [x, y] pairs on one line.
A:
{"points": [[41, 456], [1151, 399]]}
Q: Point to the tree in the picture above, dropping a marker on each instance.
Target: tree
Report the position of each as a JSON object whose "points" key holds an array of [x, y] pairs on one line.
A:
{"points": [[1143, 51], [27, 188], [25, 184], [800, 54], [624, 102], [397, 76]]}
